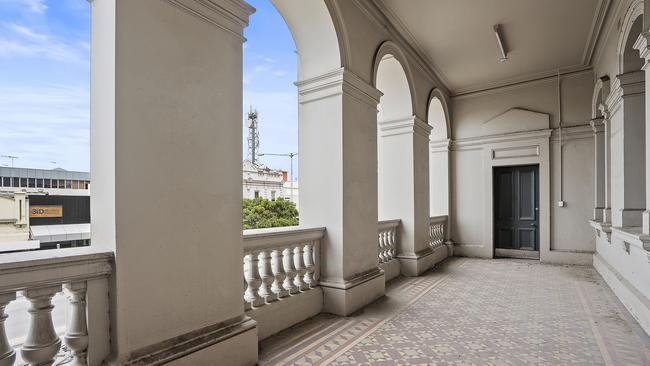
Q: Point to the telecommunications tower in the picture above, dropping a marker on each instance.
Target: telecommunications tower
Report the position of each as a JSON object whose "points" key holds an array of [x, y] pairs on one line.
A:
{"points": [[253, 136]]}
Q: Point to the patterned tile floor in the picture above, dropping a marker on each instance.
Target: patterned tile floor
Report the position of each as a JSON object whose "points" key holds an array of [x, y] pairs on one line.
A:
{"points": [[475, 312]]}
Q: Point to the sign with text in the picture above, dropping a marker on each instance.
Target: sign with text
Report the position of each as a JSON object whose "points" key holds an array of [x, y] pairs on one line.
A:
{"points": [[45, 211]]}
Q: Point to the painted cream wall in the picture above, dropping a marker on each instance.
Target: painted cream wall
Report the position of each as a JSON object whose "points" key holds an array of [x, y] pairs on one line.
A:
{"points": [[570, 232], [605, 61]]}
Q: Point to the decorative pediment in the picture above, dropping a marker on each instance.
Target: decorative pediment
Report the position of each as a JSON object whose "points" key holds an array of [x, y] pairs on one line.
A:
{"points": [[516, 120]]}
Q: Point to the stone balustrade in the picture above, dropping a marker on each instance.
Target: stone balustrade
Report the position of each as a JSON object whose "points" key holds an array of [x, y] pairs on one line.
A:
{"points": [[438, 231], [387, 240], [82, 273], [280, 262]]}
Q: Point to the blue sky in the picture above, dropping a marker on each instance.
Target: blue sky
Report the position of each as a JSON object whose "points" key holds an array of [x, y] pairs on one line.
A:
{"points": [[45, 82]]}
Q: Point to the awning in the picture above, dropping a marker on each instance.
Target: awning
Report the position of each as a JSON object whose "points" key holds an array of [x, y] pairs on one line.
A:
{"points": [[58, 233]]}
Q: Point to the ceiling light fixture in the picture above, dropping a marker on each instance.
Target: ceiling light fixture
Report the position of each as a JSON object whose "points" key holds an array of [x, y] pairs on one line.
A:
{"points": [[502, 47]]}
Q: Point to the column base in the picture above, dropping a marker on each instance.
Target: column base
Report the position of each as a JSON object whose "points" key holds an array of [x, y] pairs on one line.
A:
{"points": [[351, 295], [607, 214], [233, 342], [598, 214], [645, 222], [413, 265], [627, 217]]}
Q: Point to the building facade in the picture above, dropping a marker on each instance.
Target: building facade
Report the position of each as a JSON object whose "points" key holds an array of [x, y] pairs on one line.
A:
{"points": [[42, 181], [260, 181]]}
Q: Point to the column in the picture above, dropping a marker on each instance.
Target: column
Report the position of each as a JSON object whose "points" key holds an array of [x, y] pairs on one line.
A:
{"points": [[607, 210], [338, 185], [404, 188], [598, 128], [166, 155], [642, 44], [627, 107]]}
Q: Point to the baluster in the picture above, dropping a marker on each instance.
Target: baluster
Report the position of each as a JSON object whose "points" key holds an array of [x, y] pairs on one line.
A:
{"points": [[289, 270], [300, 268], [278, 274], [266, 276], [247, 305], [7, 353], [393, 243], [382, 247], [251, 273], [42, 343], [316, 260], [309, 265], [76, 336]]}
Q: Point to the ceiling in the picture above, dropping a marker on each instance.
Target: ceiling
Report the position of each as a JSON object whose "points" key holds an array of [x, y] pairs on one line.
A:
{"points": [[457, 37]]}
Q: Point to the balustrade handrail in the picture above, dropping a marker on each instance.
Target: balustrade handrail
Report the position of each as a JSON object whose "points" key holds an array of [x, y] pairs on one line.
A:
{"points": [[257, 239], [388, 224], [438, 219], [39, 275], [23, 270]]}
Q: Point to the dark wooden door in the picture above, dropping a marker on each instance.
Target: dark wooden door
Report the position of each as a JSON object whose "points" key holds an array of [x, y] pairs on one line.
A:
{"points": [[516, 213]]}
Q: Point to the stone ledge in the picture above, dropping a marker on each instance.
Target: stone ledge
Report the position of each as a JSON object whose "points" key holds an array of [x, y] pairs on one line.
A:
{"points": [[184, 345]]}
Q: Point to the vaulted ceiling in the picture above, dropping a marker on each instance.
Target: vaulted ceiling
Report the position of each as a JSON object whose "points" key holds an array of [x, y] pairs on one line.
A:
{"points": [[457, 37]]}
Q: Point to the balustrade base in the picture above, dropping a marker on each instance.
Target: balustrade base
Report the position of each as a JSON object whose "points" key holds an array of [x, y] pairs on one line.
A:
{"points": [[231, 343], [413, 265], [390, 268], [351, 295], [286, 312]]}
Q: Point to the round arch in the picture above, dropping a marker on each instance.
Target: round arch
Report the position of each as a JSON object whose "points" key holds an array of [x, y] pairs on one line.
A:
{"points": [[597, 99], [391, 69], [628, 57], [437, 111], [314, 31]]}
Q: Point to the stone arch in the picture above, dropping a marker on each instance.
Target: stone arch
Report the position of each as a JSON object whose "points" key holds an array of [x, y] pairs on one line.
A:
{"points": [[600, 94], [437, 111], [632, 26], [314, 28], [394, 78]]}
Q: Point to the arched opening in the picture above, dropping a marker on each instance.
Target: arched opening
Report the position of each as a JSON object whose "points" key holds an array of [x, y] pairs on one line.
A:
{"points": [[630, 60], [627, 122], [394, 108], [270, 121], [402, 161], [437, 118]]}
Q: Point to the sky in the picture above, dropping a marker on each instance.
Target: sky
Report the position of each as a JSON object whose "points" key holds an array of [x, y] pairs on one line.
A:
{"points": [[45, 83]]}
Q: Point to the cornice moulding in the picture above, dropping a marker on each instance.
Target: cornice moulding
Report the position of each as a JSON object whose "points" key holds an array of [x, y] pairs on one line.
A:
{"points": [[570, 133], [478, 141], [612, 15], [229, 15], [522, 81], [383, 17]]}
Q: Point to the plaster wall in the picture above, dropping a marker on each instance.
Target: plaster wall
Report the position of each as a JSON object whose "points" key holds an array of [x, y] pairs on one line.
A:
{"points": [[504, 115]]}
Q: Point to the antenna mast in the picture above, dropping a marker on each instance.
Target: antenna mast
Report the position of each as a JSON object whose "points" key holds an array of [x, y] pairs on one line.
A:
{"points": [[253, 136]]}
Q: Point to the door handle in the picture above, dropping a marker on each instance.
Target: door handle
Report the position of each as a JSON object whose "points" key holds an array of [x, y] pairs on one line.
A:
{"points": [[533, 224]]}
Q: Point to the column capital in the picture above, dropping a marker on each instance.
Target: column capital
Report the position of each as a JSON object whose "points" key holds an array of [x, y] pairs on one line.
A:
{"points": [[439, 145], [337, 82], [643, 46], [597, 125], [407, 125]]}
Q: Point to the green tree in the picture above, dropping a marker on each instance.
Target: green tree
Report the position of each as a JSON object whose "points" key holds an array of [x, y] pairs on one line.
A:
{"points": [[262, 213]]}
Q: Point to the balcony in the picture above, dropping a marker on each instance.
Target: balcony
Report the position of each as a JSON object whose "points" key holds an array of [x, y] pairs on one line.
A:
{"points": [[402, 212]]}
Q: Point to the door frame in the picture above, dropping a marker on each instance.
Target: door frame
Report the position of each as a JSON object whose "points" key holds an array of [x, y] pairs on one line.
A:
{"points": [[524, 148], [518, 253]]}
